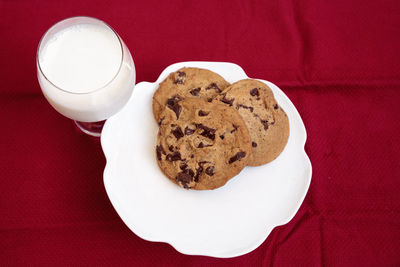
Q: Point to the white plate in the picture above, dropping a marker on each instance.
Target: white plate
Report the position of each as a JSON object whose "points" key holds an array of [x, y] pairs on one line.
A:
{"points": [[227, 222]]}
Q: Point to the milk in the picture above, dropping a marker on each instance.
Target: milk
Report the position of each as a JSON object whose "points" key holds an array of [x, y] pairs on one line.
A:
{"points": [[85, 71]]}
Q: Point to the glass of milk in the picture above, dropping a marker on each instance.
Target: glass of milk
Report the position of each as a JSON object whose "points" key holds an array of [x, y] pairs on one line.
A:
{"points": [[85, 71]]}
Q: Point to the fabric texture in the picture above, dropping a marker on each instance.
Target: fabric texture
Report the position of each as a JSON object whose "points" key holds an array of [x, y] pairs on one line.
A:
{"points": [[339, 63]]}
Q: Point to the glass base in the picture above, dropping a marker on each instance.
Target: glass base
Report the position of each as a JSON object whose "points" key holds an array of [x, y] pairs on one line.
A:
{"points": [[91, 128]]}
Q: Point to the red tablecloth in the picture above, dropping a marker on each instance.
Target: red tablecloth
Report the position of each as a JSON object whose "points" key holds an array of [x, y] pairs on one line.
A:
{"points": [[338, 61]]}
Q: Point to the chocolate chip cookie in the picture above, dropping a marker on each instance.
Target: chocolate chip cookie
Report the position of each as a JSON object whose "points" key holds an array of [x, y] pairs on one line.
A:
{"points": [[187, 82], [267, 122], [201, 145]]}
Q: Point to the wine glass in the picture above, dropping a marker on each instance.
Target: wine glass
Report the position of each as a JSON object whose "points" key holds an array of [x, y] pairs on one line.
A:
{"points": [[85, 71]]}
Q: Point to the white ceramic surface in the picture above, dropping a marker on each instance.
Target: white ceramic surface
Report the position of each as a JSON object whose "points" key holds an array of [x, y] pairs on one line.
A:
{"points": [[227, 222]]}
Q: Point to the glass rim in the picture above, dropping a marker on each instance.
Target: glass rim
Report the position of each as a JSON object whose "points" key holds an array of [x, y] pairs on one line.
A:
{"points": [[92, 90]]}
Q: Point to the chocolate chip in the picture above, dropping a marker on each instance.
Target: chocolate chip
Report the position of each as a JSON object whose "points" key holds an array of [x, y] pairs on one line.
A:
{"points": [[210, 100], [174, 156], [210, 170], [180, 77], [185, 177], [183, 165], [275, 106], [160, 150], [177, 132], [203, 113], [195, 91], [171, 148], [172, 103], [227, 101], [214, 86], [254, 92], [189, 131], [207, 132], [191, 156], [201, 145], [245, 107], [199, 170], [234, 128], [265, 123], [173, 100], [160, 121], [177, 109], [222, 137], [238, 156], [253, 144], [211, 86]]}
